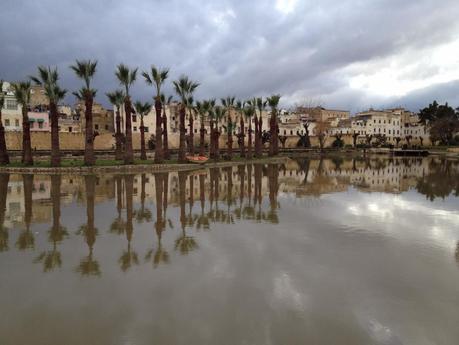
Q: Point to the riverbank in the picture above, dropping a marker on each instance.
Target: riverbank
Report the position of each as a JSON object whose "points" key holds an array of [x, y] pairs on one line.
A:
{"points": [[117, 166], [114, 166]]}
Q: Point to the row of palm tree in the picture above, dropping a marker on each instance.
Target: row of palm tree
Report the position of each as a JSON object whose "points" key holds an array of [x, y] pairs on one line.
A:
{"points": [[184, 88]]}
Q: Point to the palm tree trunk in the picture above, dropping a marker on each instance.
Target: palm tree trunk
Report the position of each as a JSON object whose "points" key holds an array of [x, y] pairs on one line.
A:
{"points": [[249, 143], [257, 137], [273, 143], [55, 152], [276, 136], [242, 138], [166, 153], [216, 142], [230, 140], [26, 141], [129, 153], [159, 154], [89, 158], [211, 141], [4, 158], [191, 137], [118, 136], [182, 130], [143, 153], [202, 133]]}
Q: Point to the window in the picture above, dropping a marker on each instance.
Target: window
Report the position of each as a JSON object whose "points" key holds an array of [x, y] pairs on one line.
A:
{"points": [[11, 104], [40, 125], [70, 129], [134, 118], [96, 127], [106, 127], [135, 129], [16, 123], [145, 129], [7, 122]]}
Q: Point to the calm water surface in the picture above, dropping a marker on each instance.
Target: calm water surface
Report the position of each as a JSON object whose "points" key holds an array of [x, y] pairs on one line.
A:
{"points": [[307, 252]]}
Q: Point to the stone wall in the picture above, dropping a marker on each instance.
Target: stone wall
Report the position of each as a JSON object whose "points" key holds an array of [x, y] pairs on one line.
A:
{"points": [[106, 141]]}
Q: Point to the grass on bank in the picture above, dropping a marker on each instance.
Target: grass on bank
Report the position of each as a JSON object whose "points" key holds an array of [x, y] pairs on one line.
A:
{"points": [[68, 163]]}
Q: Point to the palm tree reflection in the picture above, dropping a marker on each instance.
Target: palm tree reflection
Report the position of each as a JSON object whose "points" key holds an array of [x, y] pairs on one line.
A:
{"points": [[52, 259], [89, 266], [4, 235], [184, 243], [160, 255], [26, 239], [144, 214], [129, 257]]}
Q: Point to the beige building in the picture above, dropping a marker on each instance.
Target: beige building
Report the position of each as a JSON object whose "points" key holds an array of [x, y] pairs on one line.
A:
{"points": [[324, 115], [103, 119]]}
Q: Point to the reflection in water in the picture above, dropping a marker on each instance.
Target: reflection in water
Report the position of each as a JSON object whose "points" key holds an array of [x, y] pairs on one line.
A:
{"points": [[280, 275], [184, 243], [129, 256], [52, 258], [4, 236], [26, 239], [89, 266]]}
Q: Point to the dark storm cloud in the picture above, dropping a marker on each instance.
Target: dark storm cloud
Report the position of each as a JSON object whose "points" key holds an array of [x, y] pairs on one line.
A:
{"points": [[235, 47]]}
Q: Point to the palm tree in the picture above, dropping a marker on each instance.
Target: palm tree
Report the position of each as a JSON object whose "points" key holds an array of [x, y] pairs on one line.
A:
{"points": [[241, 135], [261, 105], [117, 99], [217, 114], [142, 109], [273, 103], [201, 109], [184, 89], [157, 77], [249, 112], [22, 93], [48, 78], [164, 102], [85, 70], [228, 103], [189, 105], [210, 114], [127, 77], [4, 158]]}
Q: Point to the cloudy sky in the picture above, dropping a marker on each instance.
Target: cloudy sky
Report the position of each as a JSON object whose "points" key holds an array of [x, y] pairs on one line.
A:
{"points": [[349, 54]]}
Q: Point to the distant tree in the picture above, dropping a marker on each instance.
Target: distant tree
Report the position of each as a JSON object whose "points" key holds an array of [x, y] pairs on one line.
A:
{"points": [[249, 112], [442, 120], [228, 103], [165, 102], [273, 103], [117, 99], [143, 109], [157, 78], [4, 157], [126, 78], [241, 135], [184, 88], [22, 94], [321, 130]]}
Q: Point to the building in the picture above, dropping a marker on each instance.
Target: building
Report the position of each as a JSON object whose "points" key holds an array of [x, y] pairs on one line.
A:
{"points": [[38, 98], [11, 111], [39, 121], [322, 114], [102, 119], [68, 120]]}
